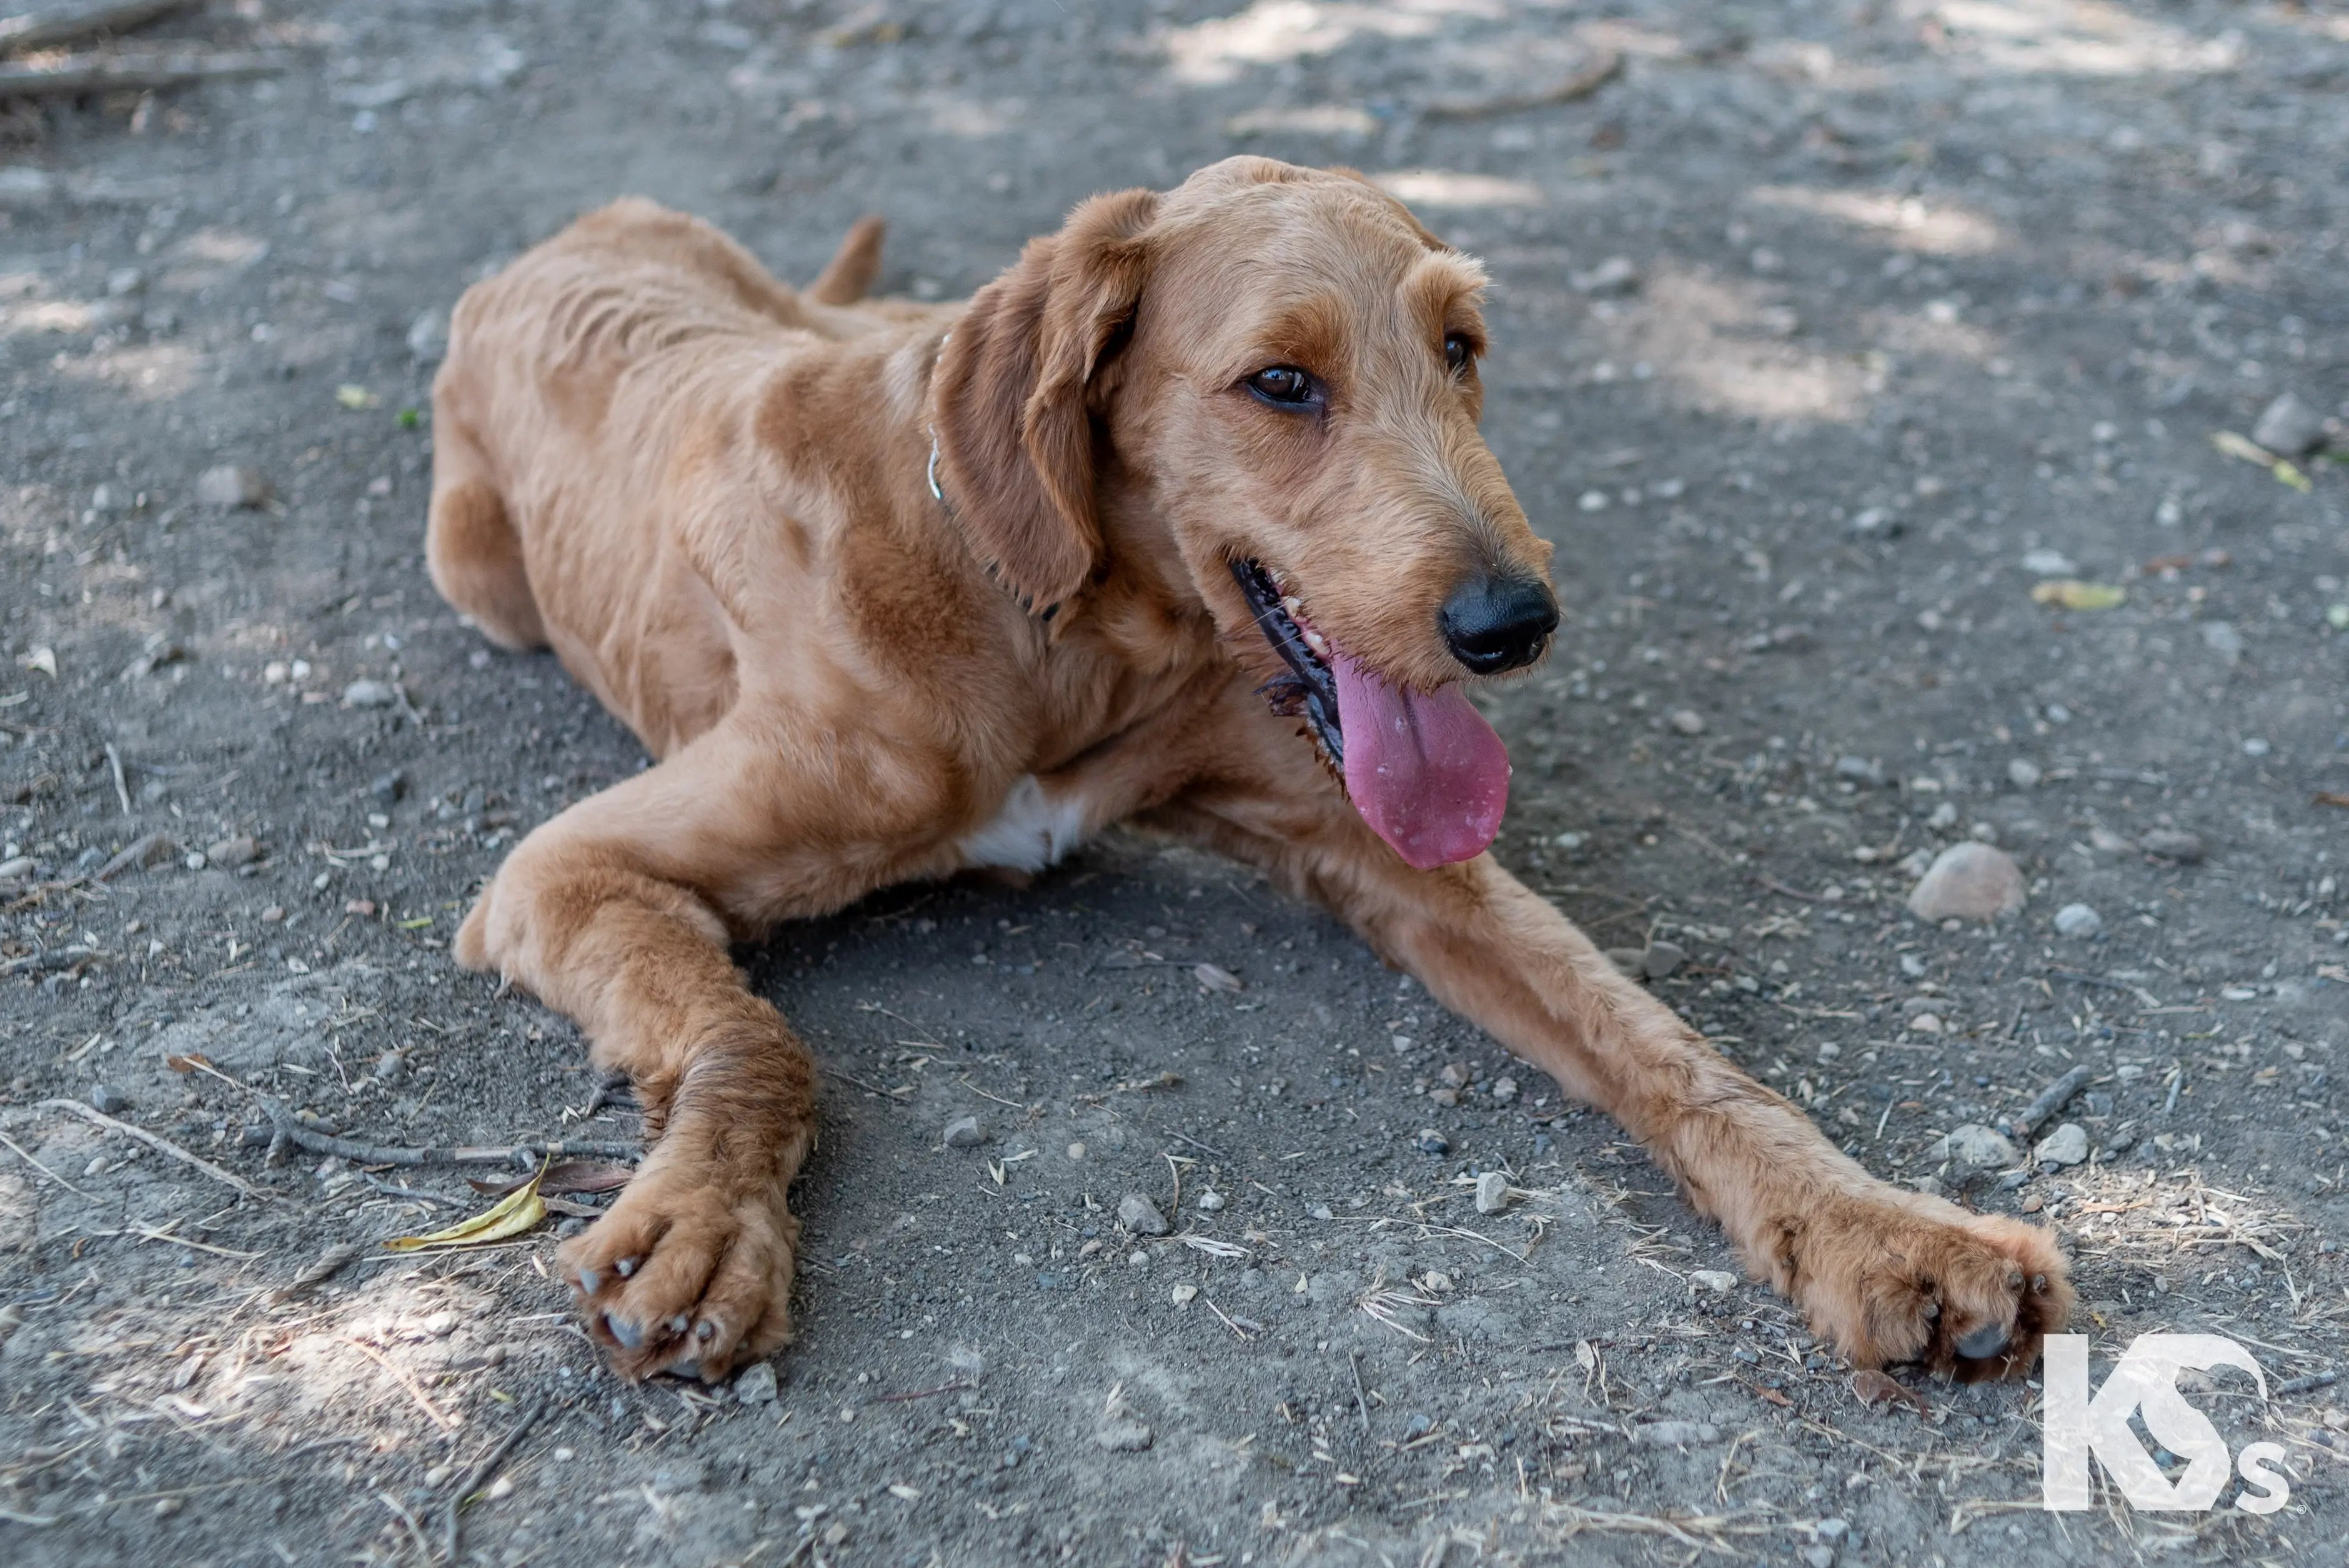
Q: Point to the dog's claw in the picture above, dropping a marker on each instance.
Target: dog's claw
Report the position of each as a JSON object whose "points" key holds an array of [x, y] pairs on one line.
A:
{"points": [[623, 1330], [624, 1267], [588, 1280]]}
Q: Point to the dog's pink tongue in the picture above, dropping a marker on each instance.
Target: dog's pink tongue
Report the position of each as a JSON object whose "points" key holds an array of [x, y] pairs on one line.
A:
{"points": [[1426, 772]]}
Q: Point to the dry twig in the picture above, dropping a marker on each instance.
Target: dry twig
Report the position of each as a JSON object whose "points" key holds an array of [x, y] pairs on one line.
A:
{"points": [[160, 1144], [79, 73], [48, 29]]}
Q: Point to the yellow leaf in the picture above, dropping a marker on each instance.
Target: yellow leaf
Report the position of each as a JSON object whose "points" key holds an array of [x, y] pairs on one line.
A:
{"points": [[2073, 594], [512, 1215], [2242, 447], [351, 397], [43, 659], [2287, 475]]}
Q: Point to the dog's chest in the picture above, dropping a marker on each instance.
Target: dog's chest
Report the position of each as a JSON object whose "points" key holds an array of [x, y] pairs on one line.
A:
{"points": [[1034, 827]]}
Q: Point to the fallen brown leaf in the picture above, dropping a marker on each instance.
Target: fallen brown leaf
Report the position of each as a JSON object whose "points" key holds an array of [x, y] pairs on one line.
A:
{"points": [[1879, 1387]]}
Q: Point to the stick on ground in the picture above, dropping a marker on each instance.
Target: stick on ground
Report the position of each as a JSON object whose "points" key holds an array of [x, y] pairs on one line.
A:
{"points": [[77, 74], [71, 24], [357, 1153], [160, 1144], [479, 1475]]}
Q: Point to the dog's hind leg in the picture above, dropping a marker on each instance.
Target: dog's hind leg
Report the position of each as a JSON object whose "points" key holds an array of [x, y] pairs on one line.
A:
{"points": [[470, 544], [848, 276]]}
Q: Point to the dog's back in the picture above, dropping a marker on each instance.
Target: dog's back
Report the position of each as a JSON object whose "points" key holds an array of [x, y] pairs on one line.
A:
{"points": [[582, 387]]}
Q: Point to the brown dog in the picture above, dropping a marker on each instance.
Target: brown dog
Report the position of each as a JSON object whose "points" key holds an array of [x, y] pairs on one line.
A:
{"points": [[894, 591]]}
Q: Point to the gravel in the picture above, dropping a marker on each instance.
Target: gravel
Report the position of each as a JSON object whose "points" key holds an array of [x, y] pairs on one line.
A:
{"points": [[1492, 1194], [105, 1098], [369, 694], [2174, 844], [1968, 882], [2024, 773], [963, 1132], [2078, 921], [2067, 1145], [1974, 1148], [2289, 428], [755, 1384], [231, 485], [1137, 1213]]}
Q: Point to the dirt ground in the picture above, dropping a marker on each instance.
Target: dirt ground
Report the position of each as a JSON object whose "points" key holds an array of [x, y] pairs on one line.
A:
{"points": [[1825, 334]]}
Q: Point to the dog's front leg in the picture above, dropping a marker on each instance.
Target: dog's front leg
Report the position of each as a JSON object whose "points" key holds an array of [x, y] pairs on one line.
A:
{"points": [[1885, 1274], [618, 912]]}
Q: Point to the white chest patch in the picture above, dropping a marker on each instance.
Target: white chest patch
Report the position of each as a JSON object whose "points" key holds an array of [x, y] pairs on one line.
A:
{"points": [[1033, 830]]}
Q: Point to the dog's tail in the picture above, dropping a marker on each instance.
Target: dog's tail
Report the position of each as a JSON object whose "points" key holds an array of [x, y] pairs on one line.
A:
{"points": [[850, 274]]}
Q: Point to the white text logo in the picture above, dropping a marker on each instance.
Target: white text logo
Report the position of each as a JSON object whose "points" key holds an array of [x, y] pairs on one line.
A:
{"points": [[2145, 1382]]}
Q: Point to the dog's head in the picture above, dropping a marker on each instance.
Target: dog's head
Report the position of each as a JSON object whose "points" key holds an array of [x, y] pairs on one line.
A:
{"points": [[1276, 367]]}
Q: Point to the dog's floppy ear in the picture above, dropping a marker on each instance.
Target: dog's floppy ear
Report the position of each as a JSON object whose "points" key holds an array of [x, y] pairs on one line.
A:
{"points": [[1014, 404]]}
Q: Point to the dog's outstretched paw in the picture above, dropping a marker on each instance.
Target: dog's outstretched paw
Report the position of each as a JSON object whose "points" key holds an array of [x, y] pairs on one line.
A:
{"points": [[689, 1273], [1900, 1277]]}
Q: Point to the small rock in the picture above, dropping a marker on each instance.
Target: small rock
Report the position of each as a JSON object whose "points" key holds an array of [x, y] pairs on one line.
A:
{"points": [[1675, 1434], [1859, 770], [231, 854], [1631, 961], [755, 1384], [1491, 1193], [963, 1132], [1211, 1201], [1687, 720], [2222, 639], [440, 1325], [1660, 959], [2067, 1145], [1123, 1436], [2050, 563], [1818, 1555], [2105, 841], [1968, 882], [1974, 1147], [228, 485], [369, 694], [387, 787], [1139, 1214], [2078, 921], [108, 1099], [1428, 1141], [2174, 844], [2289, 428], [1505, 1089], [1615, 275], [1925, 1023], [390, 1065], [1833, 1529], [1720, 1282], [1453, 1075], [123, 280], [2024, 773], [24, 186], [427, 338]]}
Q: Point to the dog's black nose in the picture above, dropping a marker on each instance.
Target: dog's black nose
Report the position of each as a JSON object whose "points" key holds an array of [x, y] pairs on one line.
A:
{"points": [[1496, 624]]}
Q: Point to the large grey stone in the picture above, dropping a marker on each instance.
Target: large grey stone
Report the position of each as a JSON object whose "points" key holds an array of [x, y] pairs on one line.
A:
{"points": [[1974, 1147], [1968, 882]]}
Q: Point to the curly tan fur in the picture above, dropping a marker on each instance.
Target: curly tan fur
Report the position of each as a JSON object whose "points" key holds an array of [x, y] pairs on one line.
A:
{"points": [[710, 495]]}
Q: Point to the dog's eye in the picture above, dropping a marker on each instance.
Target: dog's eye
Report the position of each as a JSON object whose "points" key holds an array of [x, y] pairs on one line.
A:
{"points": [[1456, 352], [1283, 384]]}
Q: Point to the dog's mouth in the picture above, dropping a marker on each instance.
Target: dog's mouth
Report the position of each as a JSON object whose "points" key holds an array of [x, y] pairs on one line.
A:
{"points": [[1424, 769]]}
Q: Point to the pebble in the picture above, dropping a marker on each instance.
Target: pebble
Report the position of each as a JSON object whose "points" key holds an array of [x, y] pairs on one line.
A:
{"points": [[2050, 563], [2078, 921], [230, 485], [1492, 1194], [1820, 1555], [124, 281], [963, 1132], [1974, 1147], [2024, 773], [2174, 844], [2289, 428], [1859, 770], [1675, 1434], [1211, 1201], [231, 854], [2067, 1145], [1615, 275], [1139, 1214], [1505, 1089], [1428, 1141], [756, 1385], [1122, 1437], [440, 1325], [1970, 880], [1720, 1282], [369, 694], [568, 1229], [2222, 639], [427, 338], [387, 787], [1631, 961], [108, 1099], [1834, 1528], [1660, 959], [1687, 720]]}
